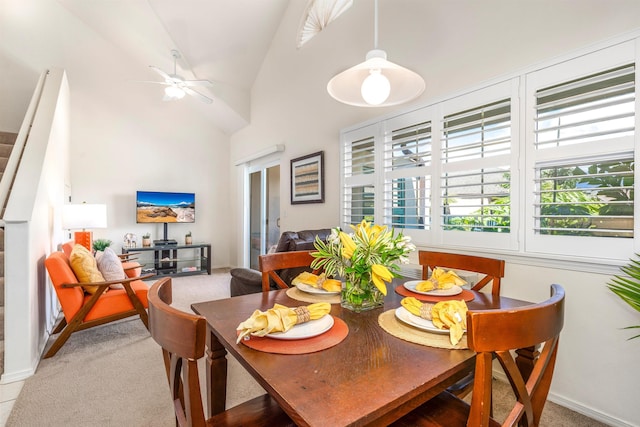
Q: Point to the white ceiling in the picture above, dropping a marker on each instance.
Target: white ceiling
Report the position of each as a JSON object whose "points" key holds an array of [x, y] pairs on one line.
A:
{"points": [[224, 41]]}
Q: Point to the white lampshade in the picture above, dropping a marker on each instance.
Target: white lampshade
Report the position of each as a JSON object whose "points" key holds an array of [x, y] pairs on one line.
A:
{"points": [[376, 82], [174, 92], [83, 216], [404, 84]]}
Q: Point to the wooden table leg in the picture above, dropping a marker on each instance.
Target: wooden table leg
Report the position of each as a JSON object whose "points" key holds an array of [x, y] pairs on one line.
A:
{"points": [[525, 360], [216, 374]]}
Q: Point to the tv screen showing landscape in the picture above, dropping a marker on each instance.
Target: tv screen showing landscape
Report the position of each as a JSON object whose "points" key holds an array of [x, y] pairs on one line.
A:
{"points": [[156, 206]]}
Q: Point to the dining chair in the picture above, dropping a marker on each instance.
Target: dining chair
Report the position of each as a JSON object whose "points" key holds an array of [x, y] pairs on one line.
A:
{"points": [[182, 338], [272, 266], [496, 333], [493, 269]]}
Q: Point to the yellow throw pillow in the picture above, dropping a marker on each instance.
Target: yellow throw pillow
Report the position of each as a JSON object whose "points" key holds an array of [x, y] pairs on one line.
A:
{"points": [[85, 267]]}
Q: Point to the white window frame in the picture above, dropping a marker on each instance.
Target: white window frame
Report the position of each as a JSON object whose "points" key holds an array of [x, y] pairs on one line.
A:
{"points": [[602, 248], [503, 241]]}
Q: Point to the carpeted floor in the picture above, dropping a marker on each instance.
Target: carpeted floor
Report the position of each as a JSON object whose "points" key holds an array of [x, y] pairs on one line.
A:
{"points": [[113, 375]]}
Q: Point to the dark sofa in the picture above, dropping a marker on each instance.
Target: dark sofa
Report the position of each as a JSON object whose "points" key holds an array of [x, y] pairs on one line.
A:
{"points": [[249, 281]]}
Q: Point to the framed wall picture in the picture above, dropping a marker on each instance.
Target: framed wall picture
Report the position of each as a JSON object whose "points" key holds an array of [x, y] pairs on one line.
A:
{"points": [[307, 179]]}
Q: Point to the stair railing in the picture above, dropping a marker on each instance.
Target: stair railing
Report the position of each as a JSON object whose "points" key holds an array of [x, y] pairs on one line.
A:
{"points": [[18, 147]]}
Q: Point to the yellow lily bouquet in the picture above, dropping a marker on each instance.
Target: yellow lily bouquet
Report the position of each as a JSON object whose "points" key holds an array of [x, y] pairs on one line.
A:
{"points": [[365, 259]]}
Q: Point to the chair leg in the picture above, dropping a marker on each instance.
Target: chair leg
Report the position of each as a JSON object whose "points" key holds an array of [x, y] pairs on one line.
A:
{"points": [[59, 342], [142, 312], [60, 326], [72, 326]]}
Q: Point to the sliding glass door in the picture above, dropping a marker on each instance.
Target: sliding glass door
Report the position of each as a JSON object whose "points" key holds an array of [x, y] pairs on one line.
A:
{"points": [[264, 211]]}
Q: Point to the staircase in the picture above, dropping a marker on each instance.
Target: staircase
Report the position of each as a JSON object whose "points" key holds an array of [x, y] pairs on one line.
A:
{"points": [[6, 145]]}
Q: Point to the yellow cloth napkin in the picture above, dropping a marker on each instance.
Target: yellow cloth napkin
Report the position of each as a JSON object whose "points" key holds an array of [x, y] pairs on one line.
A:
{"points": [[280, 319], [319, 282], [306, 278], [450, 315], [440, 279]]}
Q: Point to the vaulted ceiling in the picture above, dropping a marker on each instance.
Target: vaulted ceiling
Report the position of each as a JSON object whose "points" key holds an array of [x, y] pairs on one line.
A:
{"points": [[222, 41]]}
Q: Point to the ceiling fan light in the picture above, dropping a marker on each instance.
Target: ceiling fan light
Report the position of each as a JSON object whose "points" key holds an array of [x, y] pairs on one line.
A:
{"points": [[174, 92]]}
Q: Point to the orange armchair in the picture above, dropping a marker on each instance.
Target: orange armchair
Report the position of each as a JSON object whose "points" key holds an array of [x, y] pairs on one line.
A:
{"points": [[82, 311]]}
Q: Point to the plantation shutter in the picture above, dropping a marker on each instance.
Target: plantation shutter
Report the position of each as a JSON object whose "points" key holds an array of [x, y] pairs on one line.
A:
{"points": [[476, 175], [591, 195], [359, 169], [407, 193]]}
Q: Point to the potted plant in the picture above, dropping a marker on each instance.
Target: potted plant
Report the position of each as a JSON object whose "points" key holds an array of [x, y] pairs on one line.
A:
{"points": [[187, 238], [99, 245], [146, 239], [627, 287]]}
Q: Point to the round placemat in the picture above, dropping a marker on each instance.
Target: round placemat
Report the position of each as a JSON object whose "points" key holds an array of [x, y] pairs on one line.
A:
{"points": [[333, 336], [297, 294], [465, 295], [390, 323]]}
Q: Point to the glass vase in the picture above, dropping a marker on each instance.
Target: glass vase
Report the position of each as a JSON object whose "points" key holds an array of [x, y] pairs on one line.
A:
{"points": [[360, 295]]}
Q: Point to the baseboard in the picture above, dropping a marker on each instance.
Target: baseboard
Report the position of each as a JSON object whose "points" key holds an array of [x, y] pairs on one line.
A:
{"points": [[16, 376], [575, 406]]}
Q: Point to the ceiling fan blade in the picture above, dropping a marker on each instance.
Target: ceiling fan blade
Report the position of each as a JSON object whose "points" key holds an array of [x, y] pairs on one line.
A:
{"points": [[206, 83], [151, 81], [164, 75], [200, 96]]}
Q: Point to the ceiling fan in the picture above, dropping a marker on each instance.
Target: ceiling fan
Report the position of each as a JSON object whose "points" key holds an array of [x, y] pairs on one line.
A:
{"points": [[177, 86]]}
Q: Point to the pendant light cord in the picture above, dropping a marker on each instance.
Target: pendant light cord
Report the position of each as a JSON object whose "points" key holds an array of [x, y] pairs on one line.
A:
{"points": [[375, 24]]}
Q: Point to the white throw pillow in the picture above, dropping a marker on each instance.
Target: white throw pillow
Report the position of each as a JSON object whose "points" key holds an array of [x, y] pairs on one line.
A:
{"points": [[111, 267]]}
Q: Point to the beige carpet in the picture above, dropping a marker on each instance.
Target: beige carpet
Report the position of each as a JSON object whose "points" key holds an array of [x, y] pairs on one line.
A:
{"points": [[113, 375]]}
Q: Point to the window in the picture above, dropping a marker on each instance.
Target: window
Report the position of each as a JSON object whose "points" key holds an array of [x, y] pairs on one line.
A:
{"points": [[407, 193], [581, 155], [477, 198], [359, 167]]}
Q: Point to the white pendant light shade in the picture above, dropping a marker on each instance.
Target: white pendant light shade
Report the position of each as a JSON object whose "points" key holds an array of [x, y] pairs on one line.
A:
{"points": [[376, 82]]}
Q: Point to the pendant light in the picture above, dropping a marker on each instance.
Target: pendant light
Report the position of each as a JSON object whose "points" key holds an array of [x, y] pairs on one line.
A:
{"points": [[376, 82]]}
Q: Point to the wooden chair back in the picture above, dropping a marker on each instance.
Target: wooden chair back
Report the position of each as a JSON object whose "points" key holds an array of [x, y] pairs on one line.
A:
{"points": [[493, 269], [270, 264], [497, 333], [182, 338]]}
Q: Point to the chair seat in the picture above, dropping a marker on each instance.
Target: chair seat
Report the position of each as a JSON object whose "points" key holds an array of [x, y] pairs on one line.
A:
{"points": [[116, 301], [261, 411]]}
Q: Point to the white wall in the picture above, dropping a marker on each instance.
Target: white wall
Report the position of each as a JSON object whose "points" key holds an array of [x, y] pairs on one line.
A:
{"points": [[454, 47]]}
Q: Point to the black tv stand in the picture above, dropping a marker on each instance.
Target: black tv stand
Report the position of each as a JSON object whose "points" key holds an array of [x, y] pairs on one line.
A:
{"points": [[174, 260], [170, 242]]}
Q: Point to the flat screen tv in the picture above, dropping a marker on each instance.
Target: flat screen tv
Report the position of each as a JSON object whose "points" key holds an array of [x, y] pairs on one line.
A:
{"points": [[165, 207]]}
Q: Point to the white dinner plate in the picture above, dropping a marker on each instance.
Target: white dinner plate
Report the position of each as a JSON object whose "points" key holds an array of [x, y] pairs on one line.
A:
{"points": [[454, 290], [311, 290], [304, 330], [417, 322]]}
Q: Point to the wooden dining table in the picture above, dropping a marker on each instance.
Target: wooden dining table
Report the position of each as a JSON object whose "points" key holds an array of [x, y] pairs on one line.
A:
{"points": [[370, 378]]}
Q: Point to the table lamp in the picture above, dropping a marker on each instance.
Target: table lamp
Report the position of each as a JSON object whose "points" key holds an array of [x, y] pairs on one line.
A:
{"points": [[83, 216]]}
